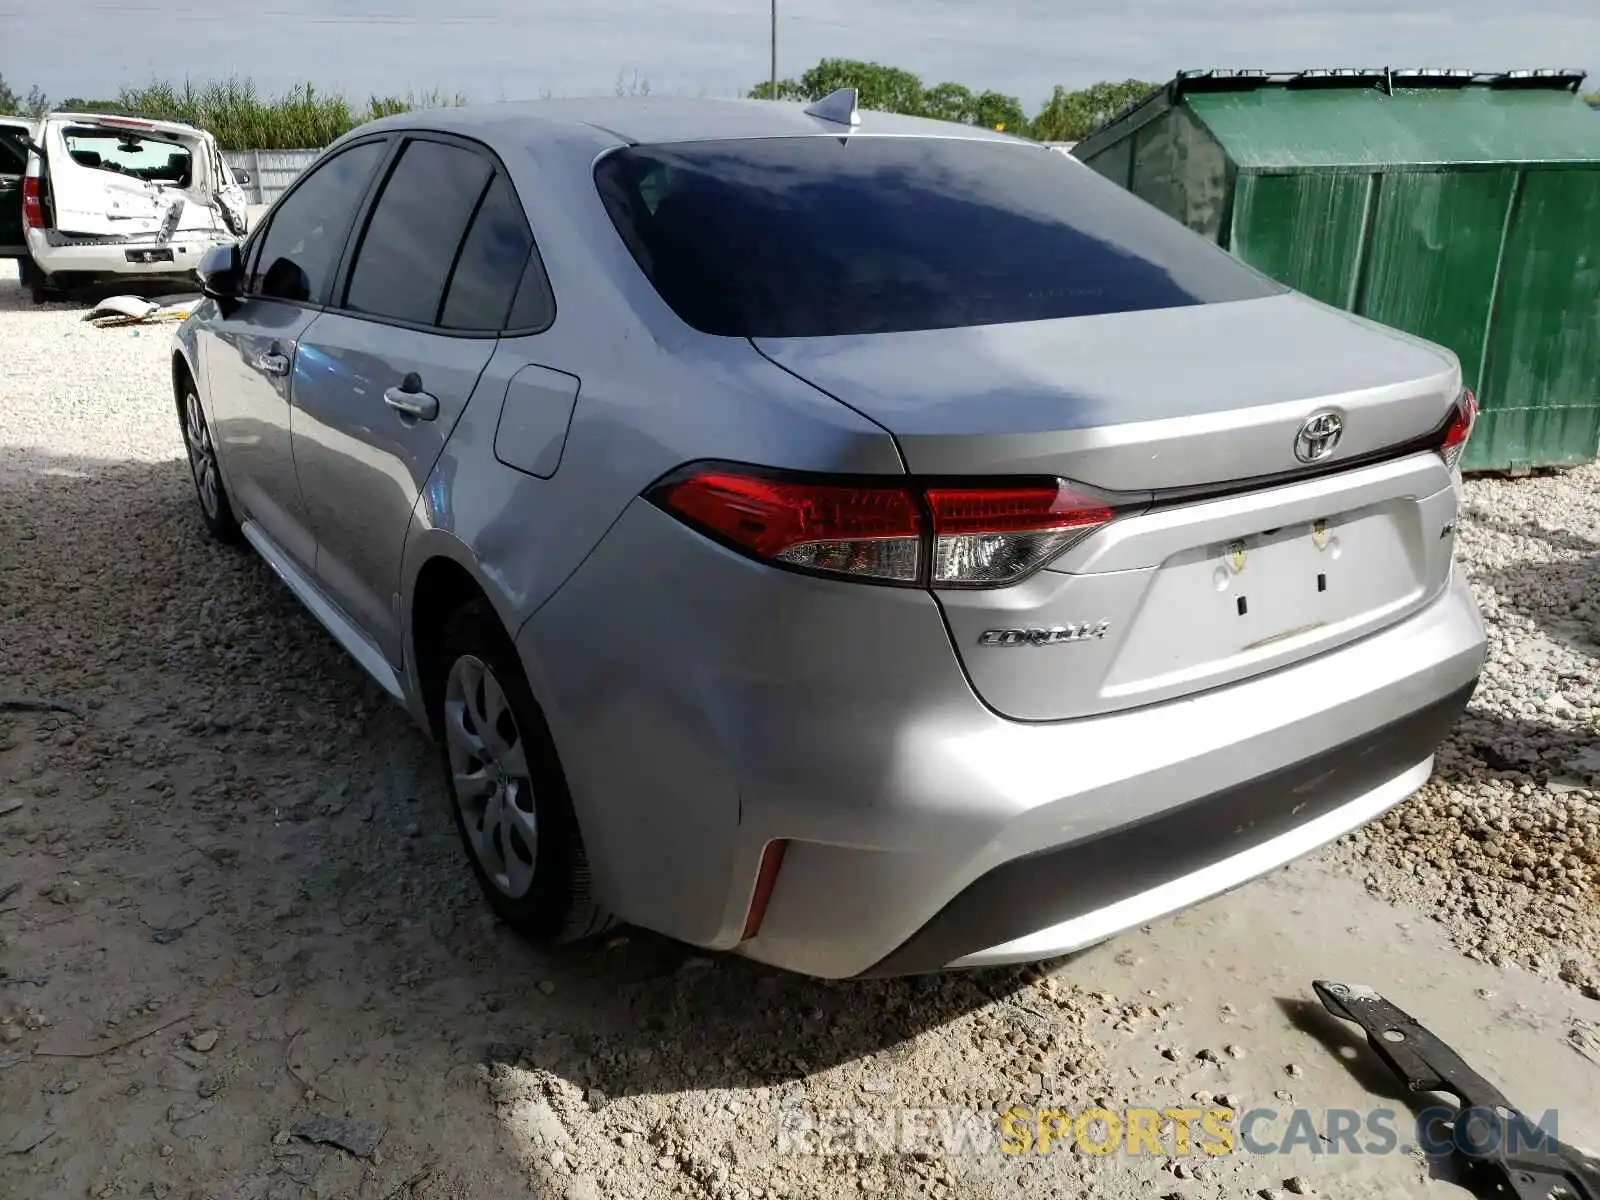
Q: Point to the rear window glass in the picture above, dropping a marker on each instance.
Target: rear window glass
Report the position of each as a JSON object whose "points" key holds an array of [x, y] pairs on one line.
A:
{"points": [[814, 236], [156, 159]]}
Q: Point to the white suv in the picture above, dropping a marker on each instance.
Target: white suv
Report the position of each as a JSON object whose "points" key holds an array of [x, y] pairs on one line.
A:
{"points": [[122, 196]]}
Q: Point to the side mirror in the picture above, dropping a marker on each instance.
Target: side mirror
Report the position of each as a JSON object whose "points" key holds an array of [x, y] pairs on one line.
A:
{"points": [[241, 176], [221, 270]]}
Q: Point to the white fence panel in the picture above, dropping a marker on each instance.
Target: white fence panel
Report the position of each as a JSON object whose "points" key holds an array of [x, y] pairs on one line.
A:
{"points": [[271, 171]]}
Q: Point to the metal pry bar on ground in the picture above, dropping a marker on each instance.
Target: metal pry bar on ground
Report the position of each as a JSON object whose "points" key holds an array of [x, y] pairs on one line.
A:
{"points": [[1548, 1170]]}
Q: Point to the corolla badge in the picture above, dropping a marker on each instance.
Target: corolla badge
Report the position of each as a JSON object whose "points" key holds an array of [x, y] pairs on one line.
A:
{"points": [[1056, 635], [1318, 437]]}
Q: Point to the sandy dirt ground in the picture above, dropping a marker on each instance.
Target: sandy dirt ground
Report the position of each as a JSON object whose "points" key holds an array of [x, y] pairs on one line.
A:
{"points": [[241, 955]]}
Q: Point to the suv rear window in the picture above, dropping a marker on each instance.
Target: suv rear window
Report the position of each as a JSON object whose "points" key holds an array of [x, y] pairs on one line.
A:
{"points": [[144, 156], [815, 236]]}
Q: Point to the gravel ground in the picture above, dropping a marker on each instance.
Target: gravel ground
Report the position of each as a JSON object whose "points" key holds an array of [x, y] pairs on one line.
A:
{"points": [[1503, 845], [240, 955]]}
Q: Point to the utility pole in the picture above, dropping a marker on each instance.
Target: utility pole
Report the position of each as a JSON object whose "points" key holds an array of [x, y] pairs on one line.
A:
{"points": [[773, 94]]}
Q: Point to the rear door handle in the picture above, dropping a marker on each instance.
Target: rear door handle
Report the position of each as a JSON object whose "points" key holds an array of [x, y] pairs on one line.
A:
{"points": [[413, 403]]}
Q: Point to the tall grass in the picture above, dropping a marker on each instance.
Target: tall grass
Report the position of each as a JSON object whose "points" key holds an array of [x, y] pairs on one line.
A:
{"points": [[241, 118]]}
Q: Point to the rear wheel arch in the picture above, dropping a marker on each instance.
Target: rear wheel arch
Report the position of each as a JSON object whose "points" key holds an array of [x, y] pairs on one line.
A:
{"points": [[182, 379], [450, 610], [442, 587]]}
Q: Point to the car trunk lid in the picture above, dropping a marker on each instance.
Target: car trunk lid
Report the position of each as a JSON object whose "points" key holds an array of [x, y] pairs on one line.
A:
{"points": [[1230, 555]]}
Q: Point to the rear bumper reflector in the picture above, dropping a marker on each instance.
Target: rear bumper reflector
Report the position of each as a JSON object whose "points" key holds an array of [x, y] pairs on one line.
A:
{"points": [[766, 880]]}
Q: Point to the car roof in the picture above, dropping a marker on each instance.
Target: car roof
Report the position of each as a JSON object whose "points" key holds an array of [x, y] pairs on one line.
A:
{"points": [[667, 119]]}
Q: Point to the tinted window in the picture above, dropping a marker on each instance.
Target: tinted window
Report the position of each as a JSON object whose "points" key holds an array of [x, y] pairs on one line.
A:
{"points": [[414, 233], [13, 151], [302, 244], [797, 237], [491, 263]]}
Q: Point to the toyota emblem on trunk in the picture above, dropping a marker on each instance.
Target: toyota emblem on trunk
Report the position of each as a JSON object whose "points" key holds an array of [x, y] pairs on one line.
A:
{"points": [[1318, 437]]}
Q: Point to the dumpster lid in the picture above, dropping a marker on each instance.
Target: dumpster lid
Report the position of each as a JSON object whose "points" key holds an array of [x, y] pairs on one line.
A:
{"points": [[1389, 117]]}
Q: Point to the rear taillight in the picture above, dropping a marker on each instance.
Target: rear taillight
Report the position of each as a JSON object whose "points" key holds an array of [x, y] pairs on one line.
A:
{"points": [[841, 529], [1459, 429], [32, 204], [973, 536]]}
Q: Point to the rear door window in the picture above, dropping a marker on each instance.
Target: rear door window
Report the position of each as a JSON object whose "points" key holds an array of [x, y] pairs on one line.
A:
{"points": [[302, 244], [812, 236], [416, 232]]}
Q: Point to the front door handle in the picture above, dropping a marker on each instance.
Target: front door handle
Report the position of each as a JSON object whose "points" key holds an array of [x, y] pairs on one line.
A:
{"points": [[409, 400], [273, 361]]}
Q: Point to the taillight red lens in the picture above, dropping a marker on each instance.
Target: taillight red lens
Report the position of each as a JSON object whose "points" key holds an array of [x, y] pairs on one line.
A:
{"points": [[32, 204], [1460, 428], [980, 536], [991, 536], [842, 529]]}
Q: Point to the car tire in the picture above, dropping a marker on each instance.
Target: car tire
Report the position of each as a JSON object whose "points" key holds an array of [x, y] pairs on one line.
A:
{"points": [[212, 495], [506, 785]]}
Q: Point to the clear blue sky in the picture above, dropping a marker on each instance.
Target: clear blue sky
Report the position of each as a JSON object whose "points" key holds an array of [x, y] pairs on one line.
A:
{"points": [[517, 49]]}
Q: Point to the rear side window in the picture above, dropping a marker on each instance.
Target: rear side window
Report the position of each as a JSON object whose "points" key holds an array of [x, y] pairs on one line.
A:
{"points": [[491, 262], [301, 248], [415, 232], [814, 236]]}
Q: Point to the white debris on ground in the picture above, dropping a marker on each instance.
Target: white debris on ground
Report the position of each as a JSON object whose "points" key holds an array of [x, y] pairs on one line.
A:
{"points": [[226, 970]]}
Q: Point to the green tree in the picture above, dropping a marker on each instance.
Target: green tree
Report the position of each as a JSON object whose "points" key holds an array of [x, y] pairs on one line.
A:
{"points": [[998, 111], [37, 103], [950, 102], [9, 101], [1070, 116], [887, 89], [788, 89]]}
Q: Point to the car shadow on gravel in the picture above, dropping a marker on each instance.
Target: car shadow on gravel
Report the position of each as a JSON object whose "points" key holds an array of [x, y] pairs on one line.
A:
{"points": [[295, 820], [1520, 747]]}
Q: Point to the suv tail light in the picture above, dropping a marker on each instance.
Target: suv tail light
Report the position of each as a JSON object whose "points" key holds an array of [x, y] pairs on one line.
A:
{"points": [[972, 536], [32, 204], [1459, 429]]}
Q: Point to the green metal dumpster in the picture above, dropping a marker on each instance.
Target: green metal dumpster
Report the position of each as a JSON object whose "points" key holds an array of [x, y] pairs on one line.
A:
{"points": [[1462, 207]]}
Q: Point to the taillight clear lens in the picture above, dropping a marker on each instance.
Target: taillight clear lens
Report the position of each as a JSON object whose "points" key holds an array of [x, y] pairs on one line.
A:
{"points": [[1459, 429], [840, 529], [987, 537], [32, 205]]}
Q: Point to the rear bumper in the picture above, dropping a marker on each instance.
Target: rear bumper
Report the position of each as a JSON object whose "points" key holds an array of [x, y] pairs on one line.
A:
{"points": [[1076, 895], [705, 706], [118, 258]]}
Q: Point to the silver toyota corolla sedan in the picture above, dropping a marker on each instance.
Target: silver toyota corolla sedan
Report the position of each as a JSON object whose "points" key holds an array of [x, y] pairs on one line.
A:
{"points": [[868, 544]]}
